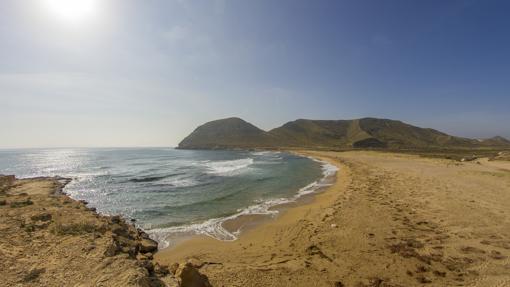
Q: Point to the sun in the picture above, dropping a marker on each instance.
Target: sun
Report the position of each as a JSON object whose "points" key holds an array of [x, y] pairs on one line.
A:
{"points": [[72, 10]]}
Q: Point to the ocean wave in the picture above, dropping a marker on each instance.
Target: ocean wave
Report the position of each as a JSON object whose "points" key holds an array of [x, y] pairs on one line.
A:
{"points": [[214, 227], [147, 179], [203, 203], [177, 182], [154, 178], [227, 167], [265, 153]]}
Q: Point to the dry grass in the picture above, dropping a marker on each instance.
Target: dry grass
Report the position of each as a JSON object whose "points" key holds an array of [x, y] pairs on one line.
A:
{"points": [[73, 228]]}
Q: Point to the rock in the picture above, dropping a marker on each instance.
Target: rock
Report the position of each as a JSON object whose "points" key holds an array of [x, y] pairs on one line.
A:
{"points": [[119, 230], [170, 281], [111, 249], [189, 276], [142, 233], [161, 270], [6, 181], [173, 268], [41, 217], [116, 219], [334, 225], [423, 279], [469, 158], [148, 245], [197, 263], [33, 274], [22, 203], [147, 264]]}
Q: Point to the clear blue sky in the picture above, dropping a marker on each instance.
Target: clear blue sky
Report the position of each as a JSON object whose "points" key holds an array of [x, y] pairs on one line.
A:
{"points": [[146, 73]]}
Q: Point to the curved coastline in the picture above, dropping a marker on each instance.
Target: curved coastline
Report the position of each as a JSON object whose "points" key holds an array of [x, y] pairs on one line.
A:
{"points": [[261, 230], [229, 228]]}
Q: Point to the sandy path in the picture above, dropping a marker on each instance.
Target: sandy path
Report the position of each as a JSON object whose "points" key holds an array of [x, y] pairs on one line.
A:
{"points": [[389, 220]]}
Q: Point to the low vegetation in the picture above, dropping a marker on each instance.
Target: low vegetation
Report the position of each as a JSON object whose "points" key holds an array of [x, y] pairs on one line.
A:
{"points": [[366, 133]]}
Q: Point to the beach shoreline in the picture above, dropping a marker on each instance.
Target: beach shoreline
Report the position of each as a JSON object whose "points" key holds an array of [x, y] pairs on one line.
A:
{"points": [[287, 212], [233, 226], [386, 220]]}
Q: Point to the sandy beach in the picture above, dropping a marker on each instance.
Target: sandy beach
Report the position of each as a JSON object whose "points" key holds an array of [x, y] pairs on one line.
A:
{"points": [[388, 220]]}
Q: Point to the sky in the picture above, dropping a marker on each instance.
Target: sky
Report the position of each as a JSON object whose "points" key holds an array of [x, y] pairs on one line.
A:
{"points": [[78, 73]]}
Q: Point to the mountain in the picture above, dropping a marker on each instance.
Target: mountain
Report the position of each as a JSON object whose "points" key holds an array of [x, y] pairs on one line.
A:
{"points": [[329, 134], [227, 133], [496, 141]]}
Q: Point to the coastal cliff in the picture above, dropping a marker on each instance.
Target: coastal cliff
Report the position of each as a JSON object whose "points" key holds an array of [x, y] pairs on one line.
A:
{"points": [[49, 239], [234, 133]]}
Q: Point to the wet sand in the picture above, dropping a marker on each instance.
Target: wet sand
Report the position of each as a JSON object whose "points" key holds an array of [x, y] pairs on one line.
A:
{"points": [[388, 220]]}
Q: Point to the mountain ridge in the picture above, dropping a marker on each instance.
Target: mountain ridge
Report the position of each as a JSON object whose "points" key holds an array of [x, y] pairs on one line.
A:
{"points": [[234, 132]]}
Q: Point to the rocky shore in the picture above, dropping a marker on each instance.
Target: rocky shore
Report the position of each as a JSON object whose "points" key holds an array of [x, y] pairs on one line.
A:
{"points": [[49, 239]]}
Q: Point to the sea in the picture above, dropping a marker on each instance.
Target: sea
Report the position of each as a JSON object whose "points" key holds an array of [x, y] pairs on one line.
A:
{"points": [[167, 191]]}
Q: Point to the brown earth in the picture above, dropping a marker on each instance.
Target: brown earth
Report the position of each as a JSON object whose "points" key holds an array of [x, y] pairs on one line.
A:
{"points": [[389, 220], [49, 239]]}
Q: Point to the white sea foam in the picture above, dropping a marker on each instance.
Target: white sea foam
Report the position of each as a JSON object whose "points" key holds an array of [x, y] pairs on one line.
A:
{"points": [[265, 153], [228, 167], [178, 182], [214, 227]]}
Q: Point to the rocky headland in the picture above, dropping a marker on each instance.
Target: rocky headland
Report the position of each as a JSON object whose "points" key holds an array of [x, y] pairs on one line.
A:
{"points": [[49, 239]]}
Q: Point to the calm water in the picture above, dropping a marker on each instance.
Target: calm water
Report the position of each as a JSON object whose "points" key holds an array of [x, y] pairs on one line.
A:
{"points": [[168, 190]]}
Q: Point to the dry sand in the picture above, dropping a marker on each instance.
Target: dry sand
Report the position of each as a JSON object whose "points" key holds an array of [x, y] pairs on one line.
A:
{"points": [[388, 220]]}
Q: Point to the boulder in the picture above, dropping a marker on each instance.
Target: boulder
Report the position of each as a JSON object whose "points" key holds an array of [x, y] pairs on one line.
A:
{"points": [[148, 245], [161, 270], [111, 249], [469, 158], [189, 276], [116, 219], [173, 268]]}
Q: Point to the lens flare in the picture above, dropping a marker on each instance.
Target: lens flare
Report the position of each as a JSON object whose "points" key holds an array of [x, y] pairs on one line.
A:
{"points": [[72, 10]]}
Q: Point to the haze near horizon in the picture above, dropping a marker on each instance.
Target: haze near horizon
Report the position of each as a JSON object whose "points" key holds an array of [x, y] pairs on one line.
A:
{"points": [[127, 73]]}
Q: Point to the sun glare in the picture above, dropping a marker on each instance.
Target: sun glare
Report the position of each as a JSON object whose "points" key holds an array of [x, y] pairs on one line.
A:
{"points": [[72, 10]]}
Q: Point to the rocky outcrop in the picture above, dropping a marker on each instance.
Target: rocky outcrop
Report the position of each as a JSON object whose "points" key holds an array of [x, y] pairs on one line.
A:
{"points": [[49, 239]]}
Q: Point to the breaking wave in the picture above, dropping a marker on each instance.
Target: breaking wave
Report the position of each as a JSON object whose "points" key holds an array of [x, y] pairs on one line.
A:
{"points": [[228, 167], [214, 227]]}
